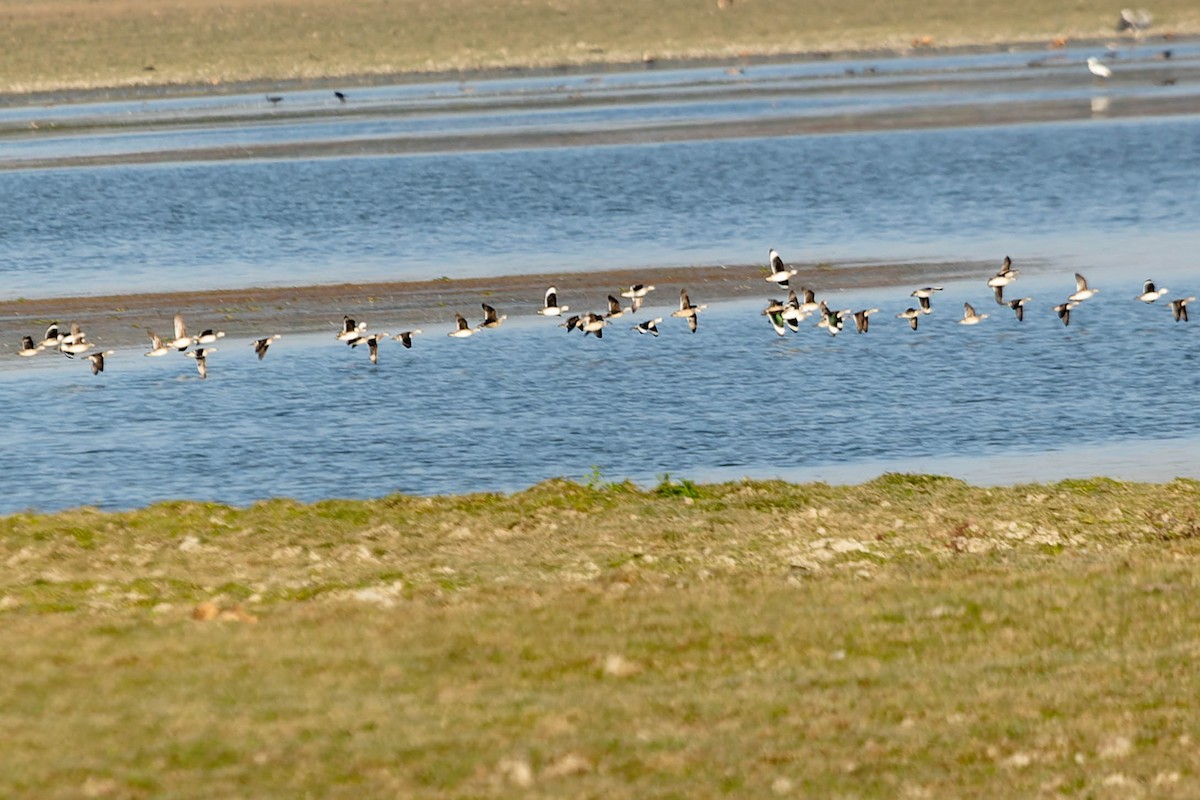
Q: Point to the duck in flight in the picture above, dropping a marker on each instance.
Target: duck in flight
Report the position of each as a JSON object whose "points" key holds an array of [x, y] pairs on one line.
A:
{"points": [[779, 272], [637, 293], [687, 310], [1082, 292], [1179, 308], [261, 345], [1150, 293], [650, 326], [550, 306], [97, 360], [462, 328], [201, 356]]}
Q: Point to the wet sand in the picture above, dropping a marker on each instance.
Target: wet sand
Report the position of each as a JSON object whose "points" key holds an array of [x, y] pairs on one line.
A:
{"points": [[123, 320]]}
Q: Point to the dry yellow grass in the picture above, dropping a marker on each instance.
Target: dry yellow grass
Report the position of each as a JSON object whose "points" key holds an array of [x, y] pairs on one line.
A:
{"points": [[74, 44]]}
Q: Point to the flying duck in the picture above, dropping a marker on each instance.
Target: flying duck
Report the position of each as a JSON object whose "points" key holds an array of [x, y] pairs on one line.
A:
{"points": [[351, 330], [550, 306], [780, 273], [261, 345], [774, 313], [97, 360], [649, 326], [913, 315], [593, 323], [571, 323], [462, 328], [157, 348], [614, 308], [1179, 308], [810, 303], [970, 317], [75, 343], [53, 336], [637, 293], [1064, 311], [862, 319], [1018, 307], [490, 320], [687, 310], [405, 337], [1149, 293], [1082, 292], [208, 336], [181, 341], [28, 348], [372, 343], [201, 356]]}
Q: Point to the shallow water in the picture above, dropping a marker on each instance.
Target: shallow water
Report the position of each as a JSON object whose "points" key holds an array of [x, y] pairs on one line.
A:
{"points": [[507, 408], [1000, 402]]}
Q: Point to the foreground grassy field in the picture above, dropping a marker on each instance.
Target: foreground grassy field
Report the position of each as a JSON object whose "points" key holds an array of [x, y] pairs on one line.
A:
{"points": [[55, 44], [910, 637]]}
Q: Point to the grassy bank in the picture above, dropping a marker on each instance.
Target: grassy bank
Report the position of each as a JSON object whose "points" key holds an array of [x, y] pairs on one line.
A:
{"points": [[77, 44], [912, 636]]}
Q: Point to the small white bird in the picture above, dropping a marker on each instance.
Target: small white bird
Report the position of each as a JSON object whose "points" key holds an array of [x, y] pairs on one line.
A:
{"points": [[1082, 292], [1098, 69], [970, 317], [550, 306], [1149, 293]]}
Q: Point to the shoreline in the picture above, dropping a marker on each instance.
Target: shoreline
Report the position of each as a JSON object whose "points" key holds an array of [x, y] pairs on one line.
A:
{"points": [[122, 319], [140, 89]]}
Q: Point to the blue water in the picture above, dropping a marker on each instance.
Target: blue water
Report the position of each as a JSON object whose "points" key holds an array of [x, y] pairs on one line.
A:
{"points": [[1114, 198]]}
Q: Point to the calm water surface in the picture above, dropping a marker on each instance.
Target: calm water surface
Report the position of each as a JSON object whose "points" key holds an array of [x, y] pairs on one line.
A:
{"points": [[1000, 402]]}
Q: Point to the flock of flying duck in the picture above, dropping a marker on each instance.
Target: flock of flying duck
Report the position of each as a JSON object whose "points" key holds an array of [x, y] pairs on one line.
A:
{"points": [[784, 315]]}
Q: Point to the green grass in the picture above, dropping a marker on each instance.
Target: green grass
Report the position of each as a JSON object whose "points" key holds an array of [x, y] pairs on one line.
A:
{"points": [[57, 44], [912, 636]]}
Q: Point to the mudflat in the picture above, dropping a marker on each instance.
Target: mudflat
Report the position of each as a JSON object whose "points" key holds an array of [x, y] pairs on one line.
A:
{"points": [[122, 320]]}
